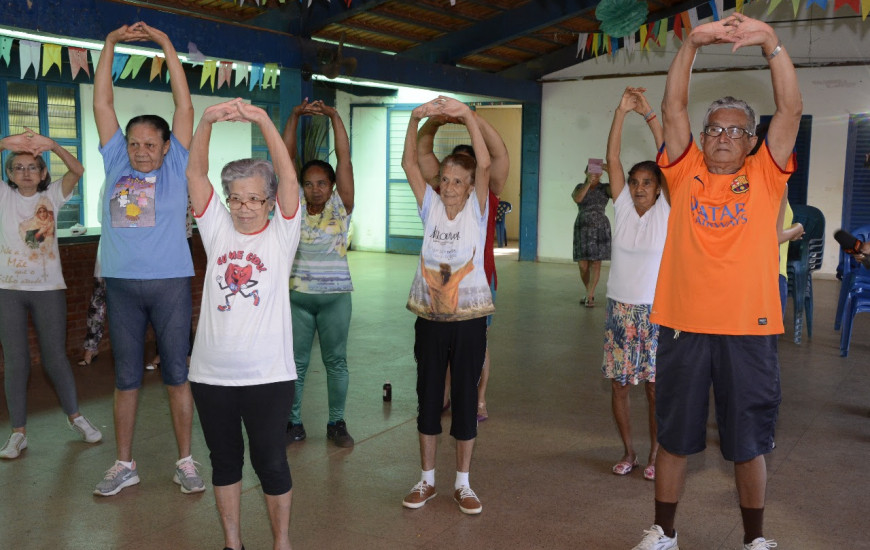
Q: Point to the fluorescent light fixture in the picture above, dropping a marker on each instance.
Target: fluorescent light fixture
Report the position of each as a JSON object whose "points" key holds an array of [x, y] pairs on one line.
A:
{"points": [[352, 82]]}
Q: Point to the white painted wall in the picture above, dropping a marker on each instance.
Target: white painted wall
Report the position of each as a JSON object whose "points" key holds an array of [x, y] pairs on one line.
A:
{"points": [[229, 140], [576, 117]]}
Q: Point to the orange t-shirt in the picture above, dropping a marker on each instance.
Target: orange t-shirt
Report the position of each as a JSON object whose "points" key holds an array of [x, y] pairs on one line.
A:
{"points": [[720, 267]]}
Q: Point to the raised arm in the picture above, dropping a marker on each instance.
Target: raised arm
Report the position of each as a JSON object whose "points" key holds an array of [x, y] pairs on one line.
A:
{"points": [[500, 162], [104, 95], [457, 109], [35, 144], [199, 188], [627, 103], [288, 184], [343, 167], [291, 128], [786, 94], [426, 159], [182, 120], [409, 155]]}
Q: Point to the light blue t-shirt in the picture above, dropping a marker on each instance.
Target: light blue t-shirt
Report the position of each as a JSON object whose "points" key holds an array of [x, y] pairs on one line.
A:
{"points": [[143, 215]]}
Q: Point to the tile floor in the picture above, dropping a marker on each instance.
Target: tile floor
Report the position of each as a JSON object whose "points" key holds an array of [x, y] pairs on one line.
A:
{"points": [[541, 466]]}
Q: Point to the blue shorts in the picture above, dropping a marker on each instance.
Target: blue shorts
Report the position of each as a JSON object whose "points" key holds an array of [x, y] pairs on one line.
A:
{"points": [[744, 373], [132, 304]]}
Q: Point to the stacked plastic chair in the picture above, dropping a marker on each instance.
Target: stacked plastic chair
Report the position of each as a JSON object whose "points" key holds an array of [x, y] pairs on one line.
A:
{"points": [[504, 208], [854, 292], [804, 257]]}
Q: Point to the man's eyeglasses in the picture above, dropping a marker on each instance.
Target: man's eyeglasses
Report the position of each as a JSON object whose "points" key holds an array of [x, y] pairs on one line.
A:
{"points": [[21, 168], [253, 204], [734, 132]]}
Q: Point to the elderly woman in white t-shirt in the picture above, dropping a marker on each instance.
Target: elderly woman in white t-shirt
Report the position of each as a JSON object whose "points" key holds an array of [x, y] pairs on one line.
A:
{"points": [[242, 369], [640, 227], [451, 298]]}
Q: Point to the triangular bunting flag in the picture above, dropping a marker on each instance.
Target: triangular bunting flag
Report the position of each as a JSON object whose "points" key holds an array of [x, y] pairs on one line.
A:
{"points": [[118, 65], [589, 40], [156, 67], [133, 65], [644, 38], [6, 49], [687, 21], [738, 6], [208, 70], [78, 60], [95, 58], [821, 3], [581, 42], [678, 27], [28, 54], [193, 53], [50, 57], [225, 72], [865, 9], [772, 6], [611, 43], [851, 3], [595, 38], [662, 32], [716, 6], [693, 20], [271, 75], [241, 72], [256, 76], [628, 43], [795, 4]]}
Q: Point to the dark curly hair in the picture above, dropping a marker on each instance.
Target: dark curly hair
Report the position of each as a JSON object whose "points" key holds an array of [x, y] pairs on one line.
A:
{"points": [[43, 185], [330, 171]]}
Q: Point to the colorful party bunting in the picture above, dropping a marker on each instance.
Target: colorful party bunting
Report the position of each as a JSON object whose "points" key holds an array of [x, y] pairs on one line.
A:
{"points": [[851, 3], [225, 72], [241, 72], [78, 60], [644, 38], [256, 76], [50, 57], [28, 54], [156, 67], [118, 65], [865, 9], [208, 71], [678, 27], [6, 49], [821, 3], [772, 6], [270, 71], [133, 65]]}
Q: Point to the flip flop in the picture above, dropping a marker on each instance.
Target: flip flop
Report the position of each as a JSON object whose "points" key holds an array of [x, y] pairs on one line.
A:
{"points": [[625, 467], [590, 301], [650, 472]]}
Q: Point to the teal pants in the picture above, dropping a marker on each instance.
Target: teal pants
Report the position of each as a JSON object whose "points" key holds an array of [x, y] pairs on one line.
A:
{"points": [[329, 316]]}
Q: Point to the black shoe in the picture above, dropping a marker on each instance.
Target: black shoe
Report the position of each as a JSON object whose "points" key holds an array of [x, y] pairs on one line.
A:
{"points": [[295, 432], [337, 433]]}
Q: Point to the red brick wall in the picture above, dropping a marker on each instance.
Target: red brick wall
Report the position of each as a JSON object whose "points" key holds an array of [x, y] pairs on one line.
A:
{"points": [[77, 260]]}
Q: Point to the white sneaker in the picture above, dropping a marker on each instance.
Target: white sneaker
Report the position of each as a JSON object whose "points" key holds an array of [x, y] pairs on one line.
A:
{"points": [[16, 443], [760, 543], [654, 539], [88, 431]]}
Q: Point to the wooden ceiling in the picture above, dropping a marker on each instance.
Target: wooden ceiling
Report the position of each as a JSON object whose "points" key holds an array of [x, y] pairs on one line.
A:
{"points": [[515, 38]]}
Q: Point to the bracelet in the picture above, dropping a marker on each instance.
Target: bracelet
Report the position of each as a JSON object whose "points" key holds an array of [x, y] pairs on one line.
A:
{"points": [[774, 53], [650, 114], [650, 118]]}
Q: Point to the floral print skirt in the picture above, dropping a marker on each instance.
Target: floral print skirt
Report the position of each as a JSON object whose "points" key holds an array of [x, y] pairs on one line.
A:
{"points": [[630, 343]]}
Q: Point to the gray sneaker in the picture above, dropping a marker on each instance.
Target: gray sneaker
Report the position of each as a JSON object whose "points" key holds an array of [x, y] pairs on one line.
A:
{"points": [[187, 477], [88, 431], [117, 477], [654, 539]]}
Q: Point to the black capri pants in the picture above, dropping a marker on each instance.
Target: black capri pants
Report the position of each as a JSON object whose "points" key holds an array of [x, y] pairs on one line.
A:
{"points": [[264, 410], [462, 346]]}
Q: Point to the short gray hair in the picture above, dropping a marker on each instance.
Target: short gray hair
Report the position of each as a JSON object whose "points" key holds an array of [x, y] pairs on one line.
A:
{"points": [[729, 102], [247, 168]]}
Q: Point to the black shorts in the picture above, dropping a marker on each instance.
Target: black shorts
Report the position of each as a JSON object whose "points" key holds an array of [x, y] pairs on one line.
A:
{"points": [[744, 373]]}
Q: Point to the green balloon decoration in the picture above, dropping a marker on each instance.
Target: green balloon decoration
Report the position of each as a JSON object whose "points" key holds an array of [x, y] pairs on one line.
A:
{"points": [[621, 18]]}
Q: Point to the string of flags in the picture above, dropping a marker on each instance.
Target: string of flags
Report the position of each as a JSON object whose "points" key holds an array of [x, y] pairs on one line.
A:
{"points": [[597, 43], [124, 66]]}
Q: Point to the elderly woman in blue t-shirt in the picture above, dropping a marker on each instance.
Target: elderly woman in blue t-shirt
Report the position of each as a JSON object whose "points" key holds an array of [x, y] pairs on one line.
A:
{"points": [[144, 255]]}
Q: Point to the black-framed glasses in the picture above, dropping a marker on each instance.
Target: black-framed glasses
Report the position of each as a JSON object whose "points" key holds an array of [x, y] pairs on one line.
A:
{"points": [[734, 132], [253, 204]]}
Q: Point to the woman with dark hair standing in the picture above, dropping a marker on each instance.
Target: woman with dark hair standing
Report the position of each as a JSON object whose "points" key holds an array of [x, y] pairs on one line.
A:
{"points": [[320, 284], [144, 256], [31, 281], [640, 228]]}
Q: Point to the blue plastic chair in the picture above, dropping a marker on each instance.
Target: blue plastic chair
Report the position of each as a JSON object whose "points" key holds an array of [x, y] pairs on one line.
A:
{"points": [[854, 292], [850, 275], [804, 257], [504, 208]]}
